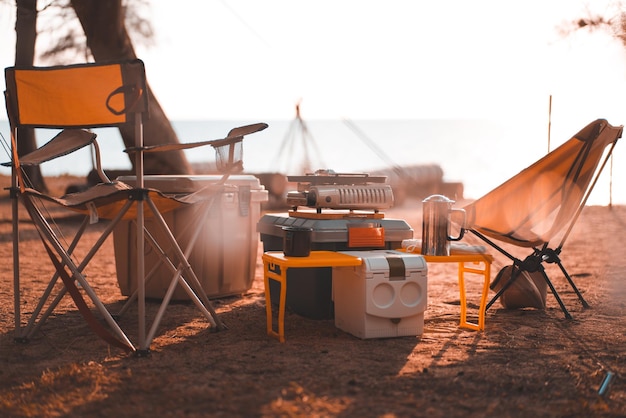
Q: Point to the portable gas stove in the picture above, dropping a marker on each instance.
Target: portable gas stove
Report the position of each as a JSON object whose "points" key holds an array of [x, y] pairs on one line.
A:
{"points": [[357, 193]]}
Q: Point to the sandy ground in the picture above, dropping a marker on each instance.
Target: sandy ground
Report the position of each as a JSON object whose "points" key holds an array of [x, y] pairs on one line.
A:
{"points": [[527, 363]]}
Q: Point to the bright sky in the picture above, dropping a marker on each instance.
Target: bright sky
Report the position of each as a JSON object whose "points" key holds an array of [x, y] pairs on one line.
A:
{"points": [[368, 59], [361, 59], [251, 60]]}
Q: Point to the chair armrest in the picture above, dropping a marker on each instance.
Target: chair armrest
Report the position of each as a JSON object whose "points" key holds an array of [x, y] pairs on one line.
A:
{"points": [[234, 135], [66, 142]]}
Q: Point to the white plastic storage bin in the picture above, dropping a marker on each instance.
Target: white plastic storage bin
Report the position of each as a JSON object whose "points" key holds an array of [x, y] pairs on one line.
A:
{"points": [[384, 297], [225, 255]]}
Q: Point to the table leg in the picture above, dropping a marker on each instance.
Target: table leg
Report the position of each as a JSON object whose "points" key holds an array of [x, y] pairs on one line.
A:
{"points": [[281, 304], [483, 299], [463, 299], [268, 299], [485, 272], [281, 279]]}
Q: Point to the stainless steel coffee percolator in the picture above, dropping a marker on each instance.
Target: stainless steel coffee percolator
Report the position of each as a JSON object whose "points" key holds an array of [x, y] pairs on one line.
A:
{"points": [[436, 212]]}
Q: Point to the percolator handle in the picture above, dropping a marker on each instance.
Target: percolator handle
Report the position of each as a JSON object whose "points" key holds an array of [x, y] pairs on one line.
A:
{"points": [[462, 230]]}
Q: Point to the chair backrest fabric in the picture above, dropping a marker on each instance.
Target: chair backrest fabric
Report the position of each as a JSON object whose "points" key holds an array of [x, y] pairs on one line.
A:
{"points": [[531, 208], [76, 96]]}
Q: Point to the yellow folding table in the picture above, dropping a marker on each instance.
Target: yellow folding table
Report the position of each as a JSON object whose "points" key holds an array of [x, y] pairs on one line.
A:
{"points": [[463, 260], [275, 266]]}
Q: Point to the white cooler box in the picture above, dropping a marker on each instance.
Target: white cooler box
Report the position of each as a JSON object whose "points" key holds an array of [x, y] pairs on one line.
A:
{"points": [[384, 297], [225, 254]]}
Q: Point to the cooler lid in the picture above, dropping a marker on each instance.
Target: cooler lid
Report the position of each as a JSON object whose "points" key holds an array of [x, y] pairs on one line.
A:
{"points": [[391, 263]]}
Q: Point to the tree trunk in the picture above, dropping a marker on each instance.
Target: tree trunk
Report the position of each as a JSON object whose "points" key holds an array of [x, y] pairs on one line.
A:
{"points": [[25, 37], [107, 38]]}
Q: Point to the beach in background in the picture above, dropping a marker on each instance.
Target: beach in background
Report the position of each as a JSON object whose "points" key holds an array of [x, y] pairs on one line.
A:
{"points": [[479, 153]]}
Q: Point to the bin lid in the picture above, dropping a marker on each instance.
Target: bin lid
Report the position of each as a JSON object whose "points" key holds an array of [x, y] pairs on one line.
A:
{"points": [[182, 183], [332, 230]]}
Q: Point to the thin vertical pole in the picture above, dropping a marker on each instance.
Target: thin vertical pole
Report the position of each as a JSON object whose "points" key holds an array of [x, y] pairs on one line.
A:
{"points": [[16, 233], [141, 289], [611, 184], [549, 120]]}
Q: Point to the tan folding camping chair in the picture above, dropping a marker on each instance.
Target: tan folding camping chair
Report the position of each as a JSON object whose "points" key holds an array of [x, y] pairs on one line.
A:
{"points": [[542, 203], [73, 99]]}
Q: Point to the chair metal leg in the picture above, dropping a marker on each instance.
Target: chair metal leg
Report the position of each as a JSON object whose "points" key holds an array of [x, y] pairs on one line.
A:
{"points": [[144, 347], [14, 192], [189, 274], [163, 257], [552, 256], [183, 274], [79, 268], [78, 276], [54, 249], [571, 282], [534, 263], [556, 295], [33, 324], [169, 253], [516, 272]]}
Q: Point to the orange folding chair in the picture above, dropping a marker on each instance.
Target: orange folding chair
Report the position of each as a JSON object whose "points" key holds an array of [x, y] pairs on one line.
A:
{"points": [[73, 99], [541, 204]]}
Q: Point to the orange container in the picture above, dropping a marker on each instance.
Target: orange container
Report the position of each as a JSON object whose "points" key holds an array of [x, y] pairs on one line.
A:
{"points": [[366, 235]]}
